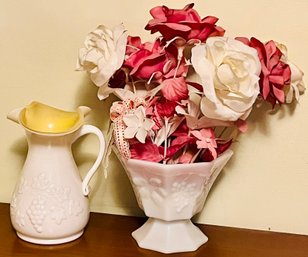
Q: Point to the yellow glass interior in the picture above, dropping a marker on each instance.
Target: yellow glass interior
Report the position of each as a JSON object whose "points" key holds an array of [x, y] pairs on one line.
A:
{"points": [[45, 119]]}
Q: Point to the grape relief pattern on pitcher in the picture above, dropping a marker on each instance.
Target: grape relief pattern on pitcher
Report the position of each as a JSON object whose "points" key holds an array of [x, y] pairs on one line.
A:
{"points": [[49, 201]]}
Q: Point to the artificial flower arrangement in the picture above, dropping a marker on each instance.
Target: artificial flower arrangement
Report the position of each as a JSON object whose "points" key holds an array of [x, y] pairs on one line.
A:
{"points": [[184, 97]]}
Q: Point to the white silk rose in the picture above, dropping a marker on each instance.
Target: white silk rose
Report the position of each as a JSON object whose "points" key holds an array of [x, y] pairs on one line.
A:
{"points": [[229, 73], [102, 55], [297, 86]]}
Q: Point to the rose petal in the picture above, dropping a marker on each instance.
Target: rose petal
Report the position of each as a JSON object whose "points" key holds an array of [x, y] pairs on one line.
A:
{"points": [[279, 94], [147, 152], [175, 89]]}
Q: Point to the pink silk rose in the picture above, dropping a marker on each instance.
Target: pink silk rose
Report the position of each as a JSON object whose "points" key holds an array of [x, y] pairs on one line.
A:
{"points": [[275, 74], [152, 60], [183, 23]]}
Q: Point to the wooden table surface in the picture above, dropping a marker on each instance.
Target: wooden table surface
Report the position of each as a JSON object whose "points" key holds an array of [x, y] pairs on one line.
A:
{"points": [[109, 235]]}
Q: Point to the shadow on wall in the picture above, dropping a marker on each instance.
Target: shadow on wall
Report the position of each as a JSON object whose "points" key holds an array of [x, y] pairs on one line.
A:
{"points": [[115, 191], [258, 119]]}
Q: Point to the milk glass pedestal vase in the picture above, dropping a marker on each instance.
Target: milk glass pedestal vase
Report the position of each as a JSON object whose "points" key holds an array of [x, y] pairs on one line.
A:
{"points": [[170, 195]]}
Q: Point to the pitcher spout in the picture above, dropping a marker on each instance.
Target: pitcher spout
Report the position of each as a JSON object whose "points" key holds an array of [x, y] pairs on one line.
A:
{"points": [[84, 110], [14, 115]]}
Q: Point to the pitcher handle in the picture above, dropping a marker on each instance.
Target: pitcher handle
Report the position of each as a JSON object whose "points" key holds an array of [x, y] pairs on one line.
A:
{"points": [[89, 129]]}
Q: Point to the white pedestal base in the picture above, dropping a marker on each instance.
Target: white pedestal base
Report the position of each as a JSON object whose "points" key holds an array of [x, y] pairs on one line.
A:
{"points": [[169, 236]]}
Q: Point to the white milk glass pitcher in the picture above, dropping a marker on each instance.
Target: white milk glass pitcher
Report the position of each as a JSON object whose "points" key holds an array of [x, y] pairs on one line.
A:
{"points": [[50, 203]]}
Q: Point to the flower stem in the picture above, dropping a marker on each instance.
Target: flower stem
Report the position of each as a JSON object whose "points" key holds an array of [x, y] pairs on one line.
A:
{"points": [[222, 132], [166, 139], [179, 59]]}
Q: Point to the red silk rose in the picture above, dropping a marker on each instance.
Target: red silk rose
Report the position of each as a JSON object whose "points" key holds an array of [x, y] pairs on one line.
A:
{"points": [[275, 74], [184, 23], [152, 60]]}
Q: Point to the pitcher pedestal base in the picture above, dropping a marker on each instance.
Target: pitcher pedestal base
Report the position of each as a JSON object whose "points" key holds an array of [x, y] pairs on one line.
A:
{"points": [[169, 236], [49, 241]]}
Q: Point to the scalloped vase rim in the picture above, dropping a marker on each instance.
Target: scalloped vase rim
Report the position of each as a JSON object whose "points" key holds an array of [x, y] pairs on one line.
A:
{"points": [[228, 152]]}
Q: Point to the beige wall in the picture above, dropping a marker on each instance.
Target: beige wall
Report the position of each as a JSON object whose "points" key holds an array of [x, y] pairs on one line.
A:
{"points": [[265, 186]]}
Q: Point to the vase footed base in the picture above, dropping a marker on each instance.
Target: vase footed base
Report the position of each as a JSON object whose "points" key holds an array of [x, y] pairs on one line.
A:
{"points": [[49, 241], [169, 236]]}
